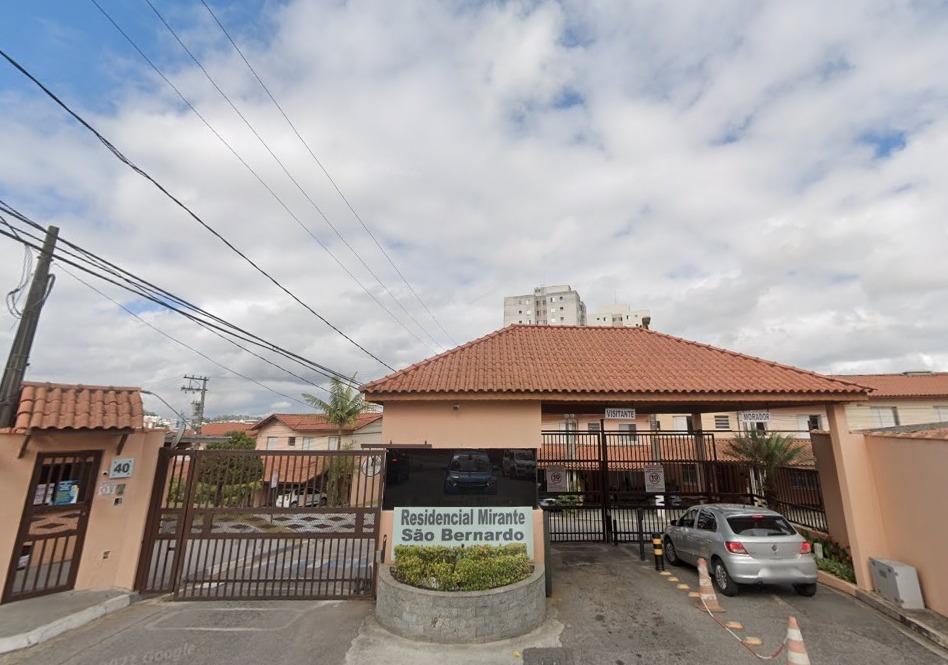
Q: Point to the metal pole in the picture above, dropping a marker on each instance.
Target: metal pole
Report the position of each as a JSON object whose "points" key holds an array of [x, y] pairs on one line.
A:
{"points": [[23, 341], [547, 554], [657, 551]]}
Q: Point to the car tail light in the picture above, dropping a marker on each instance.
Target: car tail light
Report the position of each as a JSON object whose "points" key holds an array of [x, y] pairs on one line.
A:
{"points": [[805, 547], [735, 547]]}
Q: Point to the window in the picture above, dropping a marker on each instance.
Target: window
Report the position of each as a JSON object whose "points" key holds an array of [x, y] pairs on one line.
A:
{"points": [[307, 443], [291, 441], [941, 414], [681, 423], [760, 525], [654, 423], [334, 443], [814, 422], [688, 519], [722, 422], [884, 416], [592, 427], [271, 442], [630, 431], [707, 521]]}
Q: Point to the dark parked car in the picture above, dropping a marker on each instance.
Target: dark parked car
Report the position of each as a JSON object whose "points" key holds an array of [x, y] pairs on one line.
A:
{"points": [[470, 472]]}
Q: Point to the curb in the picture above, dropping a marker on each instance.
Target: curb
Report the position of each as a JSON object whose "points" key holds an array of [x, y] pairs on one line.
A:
{"points": [[915, 625], [59, 626]]}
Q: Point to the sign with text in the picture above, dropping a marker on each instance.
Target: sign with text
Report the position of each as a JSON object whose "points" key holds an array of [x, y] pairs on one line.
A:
{"points": [[655, 479], [556, 479], [453, 527], [620, 414], [762, 416], [121, 467]]}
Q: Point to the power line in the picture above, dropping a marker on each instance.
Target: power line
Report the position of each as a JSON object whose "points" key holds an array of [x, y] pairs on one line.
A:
{"points": [[144, 174], [178, 341], [218, 326], [325, 171], [243, 161]]}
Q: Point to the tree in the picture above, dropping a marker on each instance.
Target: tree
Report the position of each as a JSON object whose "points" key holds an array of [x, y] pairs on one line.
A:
{"points": [[230, 480], [342, 410], [768, 452], [344, 405]]}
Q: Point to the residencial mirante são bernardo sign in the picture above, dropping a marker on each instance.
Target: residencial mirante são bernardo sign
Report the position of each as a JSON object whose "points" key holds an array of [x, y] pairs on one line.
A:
{"points": [[464, 526]]}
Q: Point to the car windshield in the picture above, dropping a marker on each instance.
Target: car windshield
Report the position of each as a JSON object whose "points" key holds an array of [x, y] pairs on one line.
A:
{"points": [[760, 525], [470, 463]]}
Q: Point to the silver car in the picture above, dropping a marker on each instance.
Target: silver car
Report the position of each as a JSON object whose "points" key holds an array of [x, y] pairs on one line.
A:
{"points": [[742, 545]]}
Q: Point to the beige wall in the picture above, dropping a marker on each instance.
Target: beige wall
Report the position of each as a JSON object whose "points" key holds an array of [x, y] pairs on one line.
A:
{"points": [[911, 480], [114, 532], [371, 433], [829, 487], [473, 424]]}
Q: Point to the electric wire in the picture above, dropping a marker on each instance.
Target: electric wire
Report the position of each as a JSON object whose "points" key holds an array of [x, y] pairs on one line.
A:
{"points": [[179, 342], [286, 171], [244, 162], [220, 329], [325, 171], [210, 229]]}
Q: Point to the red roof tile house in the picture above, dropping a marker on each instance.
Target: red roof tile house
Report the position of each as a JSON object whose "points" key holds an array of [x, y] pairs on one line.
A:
{"points": [[76, 470], [311, 431]]}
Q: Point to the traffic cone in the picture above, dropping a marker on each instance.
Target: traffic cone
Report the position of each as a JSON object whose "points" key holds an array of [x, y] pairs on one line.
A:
{"points": [[796, 650], [707, 598]]}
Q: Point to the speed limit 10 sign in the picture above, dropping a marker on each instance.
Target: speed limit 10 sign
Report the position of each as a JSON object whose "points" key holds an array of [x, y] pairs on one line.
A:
{"points": [[121, 467]]}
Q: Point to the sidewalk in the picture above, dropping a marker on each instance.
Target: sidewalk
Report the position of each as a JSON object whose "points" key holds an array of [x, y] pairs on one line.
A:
{"points": [[27, 622]]}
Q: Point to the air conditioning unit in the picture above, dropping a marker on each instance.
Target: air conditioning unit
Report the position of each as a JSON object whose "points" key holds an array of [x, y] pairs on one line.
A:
{"points": [[897, 582]]}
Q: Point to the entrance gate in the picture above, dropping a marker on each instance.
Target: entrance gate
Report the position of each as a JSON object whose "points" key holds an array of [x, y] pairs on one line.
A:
{"points": [[606, 499], [53, 526], [235, 524]]}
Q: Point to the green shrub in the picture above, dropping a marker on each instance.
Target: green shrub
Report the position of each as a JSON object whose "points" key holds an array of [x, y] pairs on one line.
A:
{"points": [[837, 568], [461, 568]]}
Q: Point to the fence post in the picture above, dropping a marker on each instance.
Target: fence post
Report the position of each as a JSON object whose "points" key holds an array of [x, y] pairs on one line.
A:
{"points": [[604, 478], [638, 518], [547, 563], [657, 552]]}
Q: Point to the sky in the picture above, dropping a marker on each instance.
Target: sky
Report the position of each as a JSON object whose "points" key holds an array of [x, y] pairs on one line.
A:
{"points": [[767, 177]]}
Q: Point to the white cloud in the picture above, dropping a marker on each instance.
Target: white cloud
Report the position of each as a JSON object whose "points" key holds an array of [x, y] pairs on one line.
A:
{"points": [[716, 165]]}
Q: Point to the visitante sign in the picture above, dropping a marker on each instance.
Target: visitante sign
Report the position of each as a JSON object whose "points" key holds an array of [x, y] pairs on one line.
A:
{"points": [[453, 527]]}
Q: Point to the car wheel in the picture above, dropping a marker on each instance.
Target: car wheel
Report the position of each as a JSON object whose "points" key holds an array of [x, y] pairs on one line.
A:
{"points": [[722, 579], [805, 589], [671, 555]]}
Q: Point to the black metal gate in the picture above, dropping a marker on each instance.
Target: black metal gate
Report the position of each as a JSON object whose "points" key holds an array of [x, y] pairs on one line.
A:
{"points": [[52, 529], [264, 524], [606, 498]]}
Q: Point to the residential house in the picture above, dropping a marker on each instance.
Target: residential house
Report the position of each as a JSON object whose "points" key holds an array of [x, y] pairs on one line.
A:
{"points": [[312, 431]]}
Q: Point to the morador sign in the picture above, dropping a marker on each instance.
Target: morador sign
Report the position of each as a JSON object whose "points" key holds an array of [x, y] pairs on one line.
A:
{"points": [[453, 527]]}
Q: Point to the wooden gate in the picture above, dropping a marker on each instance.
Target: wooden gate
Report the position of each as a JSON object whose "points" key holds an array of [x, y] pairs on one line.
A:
{"points": [[53, 526], [229, 524]]}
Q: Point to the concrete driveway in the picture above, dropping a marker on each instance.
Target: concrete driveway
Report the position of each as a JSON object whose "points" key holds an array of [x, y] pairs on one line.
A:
{"points": [[608, 608], [618, 611]]}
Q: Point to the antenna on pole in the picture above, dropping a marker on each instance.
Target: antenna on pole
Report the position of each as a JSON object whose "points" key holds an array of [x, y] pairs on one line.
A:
{"points": [[196, 384]]}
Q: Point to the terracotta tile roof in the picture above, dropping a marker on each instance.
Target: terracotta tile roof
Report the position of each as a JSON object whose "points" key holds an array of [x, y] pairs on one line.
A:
{"points": [[222, 428], [298, 469], [909, 384], [314, 422], [54, 406], [579, 359]]}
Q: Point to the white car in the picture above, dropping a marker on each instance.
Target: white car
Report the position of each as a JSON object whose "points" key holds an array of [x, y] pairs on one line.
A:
{"points": [[295, 499]]}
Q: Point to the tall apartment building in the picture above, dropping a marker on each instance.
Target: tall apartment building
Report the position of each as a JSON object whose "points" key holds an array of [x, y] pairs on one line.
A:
{"points": [[620, 315], [547, 305]]}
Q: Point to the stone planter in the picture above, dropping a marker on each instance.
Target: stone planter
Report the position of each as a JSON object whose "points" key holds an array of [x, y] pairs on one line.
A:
{"points": [[461, 616]]}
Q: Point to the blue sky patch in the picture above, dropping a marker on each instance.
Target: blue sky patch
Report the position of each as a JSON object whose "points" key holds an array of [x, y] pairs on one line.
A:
{"points": [[884, 142]]}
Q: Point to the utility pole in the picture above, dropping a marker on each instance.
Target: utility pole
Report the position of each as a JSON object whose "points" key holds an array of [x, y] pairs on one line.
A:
{"points": [[197, 406], [23, 341]]}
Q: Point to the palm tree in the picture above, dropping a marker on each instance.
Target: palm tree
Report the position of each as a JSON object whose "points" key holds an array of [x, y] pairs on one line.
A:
{"points": [[768, 452], [342, 410], [344, 405]]}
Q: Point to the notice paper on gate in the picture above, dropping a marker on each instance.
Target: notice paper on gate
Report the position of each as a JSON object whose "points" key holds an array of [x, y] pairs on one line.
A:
{"points": [[655, 479]]}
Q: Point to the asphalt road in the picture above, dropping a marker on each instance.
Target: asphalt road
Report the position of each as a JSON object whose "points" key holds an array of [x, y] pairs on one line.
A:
{"points": [[608, 608]]}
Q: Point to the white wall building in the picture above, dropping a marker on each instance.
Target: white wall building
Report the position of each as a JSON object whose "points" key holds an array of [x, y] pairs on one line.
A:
{"points": [[547, 305], [620, 315]]}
